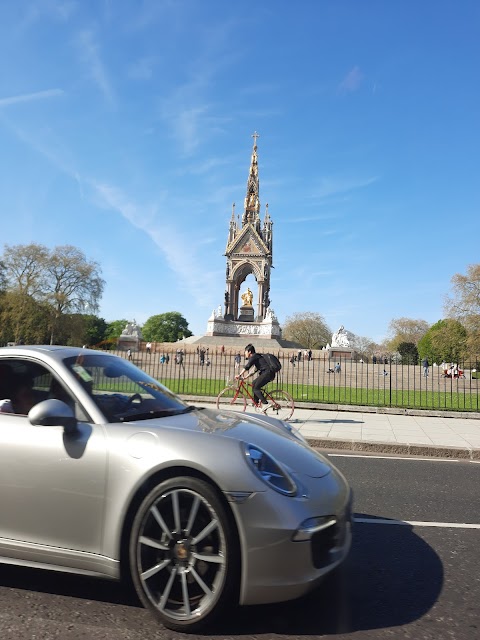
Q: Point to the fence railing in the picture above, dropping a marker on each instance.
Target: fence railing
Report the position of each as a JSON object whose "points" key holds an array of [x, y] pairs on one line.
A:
{"points": [[319, 380]]}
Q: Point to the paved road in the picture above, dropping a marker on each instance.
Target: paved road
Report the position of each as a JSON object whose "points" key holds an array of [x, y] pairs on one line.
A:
{"points": [[401, 580]]}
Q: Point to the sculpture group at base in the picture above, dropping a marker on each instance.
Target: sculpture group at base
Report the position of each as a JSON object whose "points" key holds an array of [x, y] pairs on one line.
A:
{"points": [[340, 338]]}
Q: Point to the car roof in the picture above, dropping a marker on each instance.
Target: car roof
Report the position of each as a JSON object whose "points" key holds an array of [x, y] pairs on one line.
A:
{"points": [[56, 352]]}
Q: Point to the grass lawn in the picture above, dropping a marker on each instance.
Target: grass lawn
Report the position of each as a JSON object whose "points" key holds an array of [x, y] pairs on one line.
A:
{"points": [[458, 401]]}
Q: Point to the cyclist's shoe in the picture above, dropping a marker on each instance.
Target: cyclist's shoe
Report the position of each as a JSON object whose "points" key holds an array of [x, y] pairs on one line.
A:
{"points": [[275, 407]]}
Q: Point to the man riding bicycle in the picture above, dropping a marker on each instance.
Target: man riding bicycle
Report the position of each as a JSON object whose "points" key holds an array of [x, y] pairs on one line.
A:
{"points": [[257, 361]]}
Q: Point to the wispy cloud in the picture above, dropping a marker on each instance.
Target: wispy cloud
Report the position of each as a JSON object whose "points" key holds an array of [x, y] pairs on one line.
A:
{"points": [[187, 127], [314, 218], [330, 186], [142, 69], [90, 55], [352, 81], [191, 275], [31, 97], [38, 10]]}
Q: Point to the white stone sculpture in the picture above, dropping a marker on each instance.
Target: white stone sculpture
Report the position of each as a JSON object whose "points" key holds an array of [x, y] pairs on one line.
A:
{"points": [[340, 338], [270, 315], [132, 329]]}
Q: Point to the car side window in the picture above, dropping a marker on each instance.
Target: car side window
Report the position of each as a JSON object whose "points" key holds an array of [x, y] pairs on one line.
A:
{"points": [[20, 386], [24, 383]]}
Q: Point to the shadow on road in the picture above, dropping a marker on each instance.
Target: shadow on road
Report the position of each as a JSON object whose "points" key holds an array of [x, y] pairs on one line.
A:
{"points": [[391, 578]]}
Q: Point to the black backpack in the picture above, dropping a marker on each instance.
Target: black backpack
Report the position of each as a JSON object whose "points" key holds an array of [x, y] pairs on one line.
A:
{"points": [[272, 361]]}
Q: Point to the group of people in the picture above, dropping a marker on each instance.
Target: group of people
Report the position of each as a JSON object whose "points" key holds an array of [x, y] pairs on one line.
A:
{"points": [[203, 356], [336, 369], [306, 354], [451, 370]]}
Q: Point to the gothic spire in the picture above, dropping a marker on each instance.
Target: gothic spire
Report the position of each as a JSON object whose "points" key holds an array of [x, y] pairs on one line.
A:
{"points": [[251, 213]]}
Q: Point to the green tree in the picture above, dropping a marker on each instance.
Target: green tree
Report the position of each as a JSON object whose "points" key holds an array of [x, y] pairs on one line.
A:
{"points": [[405, 330], [464, 305], [166, 327], [79, 328], [409, 352], [25, 269], [61, 279], [445, 340], [74, 283], [94, 330], [3, 278], [114, 329], [308, 329], [23, 319]]}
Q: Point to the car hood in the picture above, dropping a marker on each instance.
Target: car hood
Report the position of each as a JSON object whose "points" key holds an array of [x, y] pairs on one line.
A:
{"points": [[272, 435]]}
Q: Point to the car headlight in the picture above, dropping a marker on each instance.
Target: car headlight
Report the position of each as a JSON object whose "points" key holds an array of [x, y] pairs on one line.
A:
{"points": [[270, 471]]}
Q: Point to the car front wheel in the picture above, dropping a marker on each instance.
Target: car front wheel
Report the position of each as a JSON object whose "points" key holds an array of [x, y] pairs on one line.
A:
{"points": [[183, 557]]}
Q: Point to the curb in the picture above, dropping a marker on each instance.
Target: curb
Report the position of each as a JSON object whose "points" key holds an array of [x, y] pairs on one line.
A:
{"points": [[347, 408], [431, 451], [393, 411]]}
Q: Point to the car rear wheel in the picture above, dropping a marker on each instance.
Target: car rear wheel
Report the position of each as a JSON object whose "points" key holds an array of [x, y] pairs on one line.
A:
{"points": [[183, 556]]}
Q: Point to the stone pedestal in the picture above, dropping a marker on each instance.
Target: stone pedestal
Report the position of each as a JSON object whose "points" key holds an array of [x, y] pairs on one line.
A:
{"points": [[247, 314], [341, 353], [268, 328]]}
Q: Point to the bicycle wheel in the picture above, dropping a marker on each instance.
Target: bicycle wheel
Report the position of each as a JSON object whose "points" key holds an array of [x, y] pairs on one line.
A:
{"points": [[284, 402], [231, 396]]}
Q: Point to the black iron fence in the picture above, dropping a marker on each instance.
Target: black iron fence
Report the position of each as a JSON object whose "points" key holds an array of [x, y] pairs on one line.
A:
{"points": [[444, 386]]}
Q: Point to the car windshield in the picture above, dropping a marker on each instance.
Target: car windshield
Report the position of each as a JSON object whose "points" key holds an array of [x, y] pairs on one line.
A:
{"points": [[122, 391]]}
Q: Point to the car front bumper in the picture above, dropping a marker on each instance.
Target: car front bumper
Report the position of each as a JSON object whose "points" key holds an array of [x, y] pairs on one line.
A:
{"points": [[277, 567]]}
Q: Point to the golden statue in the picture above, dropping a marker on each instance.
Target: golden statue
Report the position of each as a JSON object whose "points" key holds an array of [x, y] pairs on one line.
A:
{"points": [[247, 298]]}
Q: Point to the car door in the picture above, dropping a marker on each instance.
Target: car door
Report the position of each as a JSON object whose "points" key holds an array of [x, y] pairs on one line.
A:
{"points": [[52, 485]]}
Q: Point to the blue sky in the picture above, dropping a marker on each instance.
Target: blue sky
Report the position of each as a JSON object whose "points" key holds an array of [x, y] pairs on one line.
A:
{"points": [[125, 130]]}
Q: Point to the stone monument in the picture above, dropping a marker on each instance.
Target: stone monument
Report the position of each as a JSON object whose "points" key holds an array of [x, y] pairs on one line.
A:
{"points": [[249, 253], [340, 347], [130, 337]]}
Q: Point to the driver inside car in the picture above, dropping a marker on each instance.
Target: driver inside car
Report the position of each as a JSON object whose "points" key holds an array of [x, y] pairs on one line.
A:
{"points": [[21, 395]]}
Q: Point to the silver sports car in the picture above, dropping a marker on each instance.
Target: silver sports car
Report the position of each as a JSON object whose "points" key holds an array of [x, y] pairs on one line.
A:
{"points": [[104, 471]]}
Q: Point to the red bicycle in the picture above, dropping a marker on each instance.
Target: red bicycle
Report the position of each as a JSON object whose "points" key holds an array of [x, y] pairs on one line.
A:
{"points": [[239, 393]]}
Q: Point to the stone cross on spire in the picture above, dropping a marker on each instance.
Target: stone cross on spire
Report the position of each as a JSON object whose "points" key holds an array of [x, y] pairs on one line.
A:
{"points": [[255, 135]]}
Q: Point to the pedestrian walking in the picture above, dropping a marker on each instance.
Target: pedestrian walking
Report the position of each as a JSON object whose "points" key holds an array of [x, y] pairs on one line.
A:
{"points": [[425, 365]]}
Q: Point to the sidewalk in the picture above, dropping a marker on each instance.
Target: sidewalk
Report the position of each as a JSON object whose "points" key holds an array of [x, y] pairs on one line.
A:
{"points": [[421, 435]]}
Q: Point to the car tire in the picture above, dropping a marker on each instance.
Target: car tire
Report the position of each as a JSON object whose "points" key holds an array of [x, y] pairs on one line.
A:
{"points": [[183, 554]]}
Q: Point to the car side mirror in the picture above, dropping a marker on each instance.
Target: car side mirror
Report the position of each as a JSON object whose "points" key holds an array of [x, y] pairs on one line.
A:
{"points": [[53, 413]]}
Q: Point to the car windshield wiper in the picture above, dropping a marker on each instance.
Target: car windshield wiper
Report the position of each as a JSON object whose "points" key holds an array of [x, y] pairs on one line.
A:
{"points": [[159, 413]]}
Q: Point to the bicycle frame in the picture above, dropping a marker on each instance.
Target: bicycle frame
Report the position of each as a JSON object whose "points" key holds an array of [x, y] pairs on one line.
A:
{"points": [[243, 388], [280, 403]]}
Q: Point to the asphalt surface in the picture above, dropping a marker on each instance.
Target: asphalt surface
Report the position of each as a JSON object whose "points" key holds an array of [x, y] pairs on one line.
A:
{"points": [[435, 433]]}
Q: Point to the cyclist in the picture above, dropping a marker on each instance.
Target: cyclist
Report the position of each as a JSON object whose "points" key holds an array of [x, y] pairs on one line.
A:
{"points": [[259, 363]]}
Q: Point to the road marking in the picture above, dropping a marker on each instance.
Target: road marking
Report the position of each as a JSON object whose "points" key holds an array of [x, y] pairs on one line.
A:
{"points": [[353, 455], [415, 523]]}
